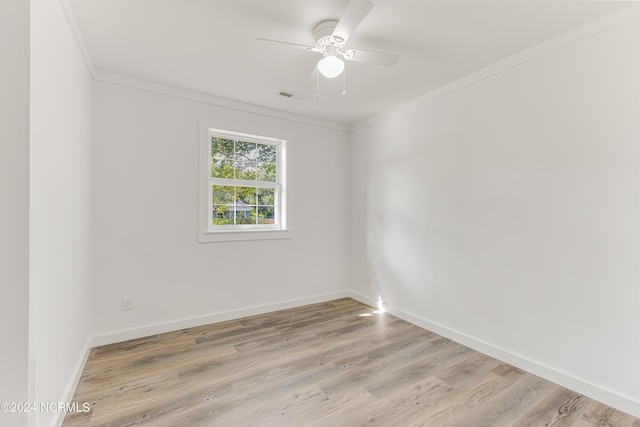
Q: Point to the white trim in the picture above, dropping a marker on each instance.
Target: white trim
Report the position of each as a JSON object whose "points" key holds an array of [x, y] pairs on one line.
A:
{"points": [[77, 34], [579, 33], [606, 396], [236, 235], [243, 183], [72, 385], [240, 232], [362, 298], [159, 328], [177, 92], [596, 26], [243, 136]]}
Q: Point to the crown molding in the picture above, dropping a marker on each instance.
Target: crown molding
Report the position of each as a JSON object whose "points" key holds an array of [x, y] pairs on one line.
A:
{"points": [[177, 92], [575, 35], [77, 34], [123, 80]]}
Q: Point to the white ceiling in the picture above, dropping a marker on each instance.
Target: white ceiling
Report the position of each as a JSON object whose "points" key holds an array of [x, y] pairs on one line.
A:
{"points": [[208, 46]]}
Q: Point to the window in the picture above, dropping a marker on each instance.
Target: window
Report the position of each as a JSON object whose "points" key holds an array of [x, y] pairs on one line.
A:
{"points": [[245, 192]]}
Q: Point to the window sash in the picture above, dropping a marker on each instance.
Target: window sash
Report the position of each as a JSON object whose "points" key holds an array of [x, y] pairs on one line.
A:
{"points": [[277, 205], [275, 185], [243, 183]]}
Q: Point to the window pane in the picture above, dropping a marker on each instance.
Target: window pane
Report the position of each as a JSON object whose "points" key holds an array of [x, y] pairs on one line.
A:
{"points": [[223, 195], [267, 153], [245, 214], [266, 166], [266, 196], [221, 168], [244, 186], [246, 150], [222, 215], [221, 148], [245, 169], [266, 215], [246, 195], [266, 172]]}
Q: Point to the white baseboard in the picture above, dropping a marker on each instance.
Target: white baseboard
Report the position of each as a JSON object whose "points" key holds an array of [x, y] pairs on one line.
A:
{"points": [[70, 389], [593, 391], [608, 397], [129, 334]]}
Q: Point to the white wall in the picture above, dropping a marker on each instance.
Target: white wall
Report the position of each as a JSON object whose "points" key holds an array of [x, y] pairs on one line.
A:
{"points": [[506, 213], [145, 207], [60, 205], [14, 214]]}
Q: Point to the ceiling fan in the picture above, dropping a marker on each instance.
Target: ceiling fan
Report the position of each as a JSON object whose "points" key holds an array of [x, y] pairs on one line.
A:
{"points": [[331, 38]]}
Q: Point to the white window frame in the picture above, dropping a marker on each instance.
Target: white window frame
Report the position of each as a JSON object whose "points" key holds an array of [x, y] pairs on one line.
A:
{"points": [[209, 233]]}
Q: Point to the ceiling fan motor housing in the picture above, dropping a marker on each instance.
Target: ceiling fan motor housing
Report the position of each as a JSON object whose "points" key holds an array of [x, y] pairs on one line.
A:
{"points": [[324, 29], [327, 43], [331, 36], [323, 35]]}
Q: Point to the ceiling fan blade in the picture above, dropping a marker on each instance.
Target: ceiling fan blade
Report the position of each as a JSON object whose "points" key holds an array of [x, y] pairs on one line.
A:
{"points": [[351, 18], [377, 58], [313, 76], [286, 44]]}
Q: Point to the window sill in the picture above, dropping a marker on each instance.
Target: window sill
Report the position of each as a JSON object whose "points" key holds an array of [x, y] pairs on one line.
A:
{"points": [[243, 235]]}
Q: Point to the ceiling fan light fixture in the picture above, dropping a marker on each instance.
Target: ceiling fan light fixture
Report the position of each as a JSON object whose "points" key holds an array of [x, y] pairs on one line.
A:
{"points": [[331, 66]]}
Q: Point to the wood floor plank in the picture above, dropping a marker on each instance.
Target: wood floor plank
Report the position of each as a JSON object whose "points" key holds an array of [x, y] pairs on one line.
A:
{"points": [[465, 397], [562, 408], [338, 363], [508, 406], [600, 415], [414, 404], [440, 357]]}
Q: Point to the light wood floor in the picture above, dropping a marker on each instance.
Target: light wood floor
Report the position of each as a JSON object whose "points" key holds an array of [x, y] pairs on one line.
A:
{"points": [[329, 364]]}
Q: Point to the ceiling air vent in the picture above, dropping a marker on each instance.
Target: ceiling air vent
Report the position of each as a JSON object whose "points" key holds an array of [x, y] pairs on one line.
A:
{"points": [[291, 95]]}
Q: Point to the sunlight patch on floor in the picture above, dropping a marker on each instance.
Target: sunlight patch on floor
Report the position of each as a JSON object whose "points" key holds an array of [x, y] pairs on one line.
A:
{"points": [[380, 309]]}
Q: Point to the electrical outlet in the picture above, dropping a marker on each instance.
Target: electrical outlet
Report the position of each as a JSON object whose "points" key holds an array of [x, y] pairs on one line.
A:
{"points": [[127, 303]]}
